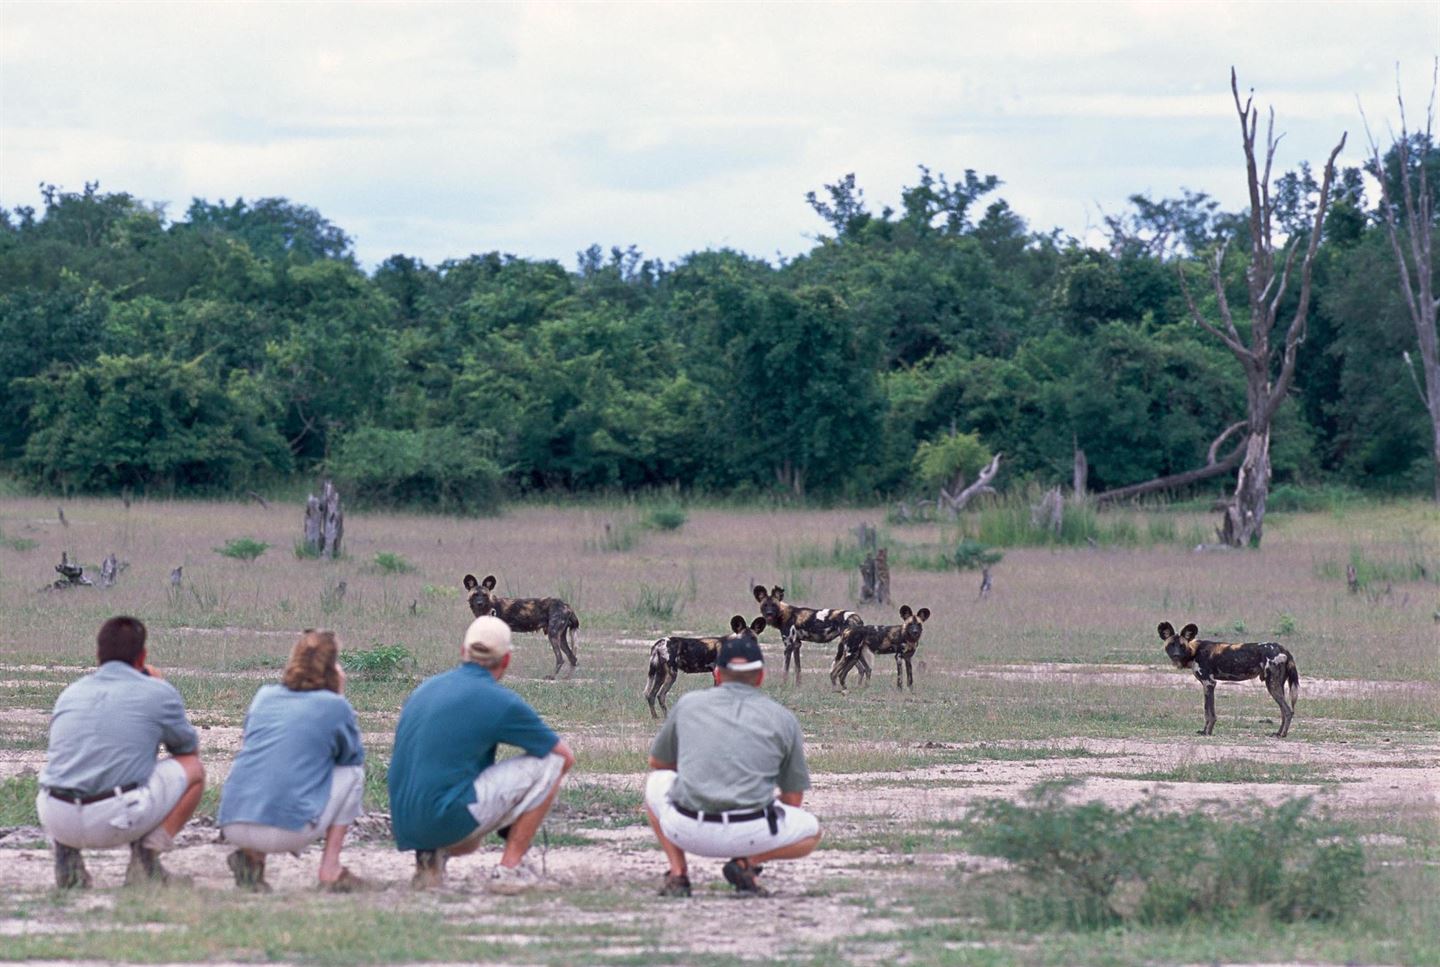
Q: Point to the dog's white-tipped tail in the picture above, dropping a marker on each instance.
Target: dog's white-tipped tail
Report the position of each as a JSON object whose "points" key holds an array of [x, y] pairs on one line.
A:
{"points": [[1292, 682]]}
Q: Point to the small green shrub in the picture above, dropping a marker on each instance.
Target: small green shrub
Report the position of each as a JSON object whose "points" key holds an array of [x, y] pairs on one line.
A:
{"points": [[1091, 866], [18, 543], [243, 549], [652, 603], [332, 595], [616, 536], [433, 591], [1239, 626], [972, 555], [666, 517], [17, 800], [305, 551], [379, 661], [387, 562], [1286, 624]]}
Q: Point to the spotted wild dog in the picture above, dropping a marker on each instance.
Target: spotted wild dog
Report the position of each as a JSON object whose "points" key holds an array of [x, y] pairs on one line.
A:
{"points": [[899, 640], [797, 624], [673, 654], [551, 616], [1225, 661]]}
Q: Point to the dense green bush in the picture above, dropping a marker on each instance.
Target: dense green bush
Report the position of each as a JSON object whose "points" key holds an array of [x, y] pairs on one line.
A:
{"points": [[1089, 865], [440, 468]]}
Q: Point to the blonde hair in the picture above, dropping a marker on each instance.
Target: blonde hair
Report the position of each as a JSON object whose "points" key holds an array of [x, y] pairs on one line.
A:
{"points": [[312, 662]]}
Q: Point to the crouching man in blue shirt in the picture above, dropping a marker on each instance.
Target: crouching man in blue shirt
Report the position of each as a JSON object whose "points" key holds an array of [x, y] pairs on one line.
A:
{"points": [[447, 792], [101, 786], [299, 775]]}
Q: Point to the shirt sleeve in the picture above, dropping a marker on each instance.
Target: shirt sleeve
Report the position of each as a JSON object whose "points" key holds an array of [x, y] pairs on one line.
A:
{"points": [[523, 727], [176, 733], [348, 748], [666, 746], [794, 772]]}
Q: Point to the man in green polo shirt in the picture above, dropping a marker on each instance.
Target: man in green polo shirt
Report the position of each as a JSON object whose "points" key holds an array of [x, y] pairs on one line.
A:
{"points": [[718, 760], [446, 790]]}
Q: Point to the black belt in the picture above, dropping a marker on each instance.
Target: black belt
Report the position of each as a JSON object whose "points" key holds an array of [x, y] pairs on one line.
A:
{"points": [[79, 798], [770, 812]]}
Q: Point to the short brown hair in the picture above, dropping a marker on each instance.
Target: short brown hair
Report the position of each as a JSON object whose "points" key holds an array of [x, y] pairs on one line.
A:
{"points": [[121, 638], [312, 662]]}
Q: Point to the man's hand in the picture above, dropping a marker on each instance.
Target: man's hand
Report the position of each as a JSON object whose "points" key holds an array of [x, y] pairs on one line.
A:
{"points": [[563, 751], [792, 798], [152, 671]]}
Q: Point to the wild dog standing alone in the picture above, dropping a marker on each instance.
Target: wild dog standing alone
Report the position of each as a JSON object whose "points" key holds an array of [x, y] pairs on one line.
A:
{"points": [[899, 640], [672, 655], [798, 624], [549, 615], [1224, 661]]}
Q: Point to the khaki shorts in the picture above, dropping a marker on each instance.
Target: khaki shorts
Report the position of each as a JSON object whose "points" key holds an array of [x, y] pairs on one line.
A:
{"points": [[507, 790], [347, 789], [118, 820], [726, 840]]}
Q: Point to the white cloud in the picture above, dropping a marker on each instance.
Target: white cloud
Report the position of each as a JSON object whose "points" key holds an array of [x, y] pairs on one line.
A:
{"points": [[439, 129]]}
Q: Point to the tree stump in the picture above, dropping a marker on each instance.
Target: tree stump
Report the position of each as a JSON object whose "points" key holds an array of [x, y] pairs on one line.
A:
{"points": [[882, 577], [324, 522], [109, 570], [1050, 512], [71, 576], [867, 579]]}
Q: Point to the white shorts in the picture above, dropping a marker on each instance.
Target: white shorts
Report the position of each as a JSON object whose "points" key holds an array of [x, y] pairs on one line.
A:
{"points": [[507, 790], [347, 789], [726, 839], [118, 820]]}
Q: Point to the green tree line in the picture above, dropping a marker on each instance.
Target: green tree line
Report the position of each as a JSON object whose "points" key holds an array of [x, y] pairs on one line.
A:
{"points": [[243, 343]]}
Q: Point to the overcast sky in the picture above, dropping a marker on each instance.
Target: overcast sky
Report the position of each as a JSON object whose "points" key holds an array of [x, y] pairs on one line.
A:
{"points": [[444, 129]]}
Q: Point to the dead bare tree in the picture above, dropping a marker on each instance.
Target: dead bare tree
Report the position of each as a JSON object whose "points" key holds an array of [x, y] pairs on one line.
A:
{"points": [[1267, 281], [955, 502], [1214, 466], [1410, 227]]}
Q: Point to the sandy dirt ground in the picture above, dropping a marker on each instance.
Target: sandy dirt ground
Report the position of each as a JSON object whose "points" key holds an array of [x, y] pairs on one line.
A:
{"points": [[810, 904]]}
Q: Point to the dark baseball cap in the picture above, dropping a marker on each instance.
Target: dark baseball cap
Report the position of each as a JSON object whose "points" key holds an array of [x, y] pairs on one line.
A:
{"points": [[740, 653]]}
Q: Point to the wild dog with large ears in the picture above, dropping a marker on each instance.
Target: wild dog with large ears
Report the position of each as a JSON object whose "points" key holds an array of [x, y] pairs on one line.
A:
{"points": [[797, 624], [553, 617], [899, 640], [1227, 661]]}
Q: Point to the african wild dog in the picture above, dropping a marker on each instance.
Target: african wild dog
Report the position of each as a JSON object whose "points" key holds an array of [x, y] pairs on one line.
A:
{"points": [[798, 624], [553, 617], [899, 640], [1224, 661], [672, 655]]}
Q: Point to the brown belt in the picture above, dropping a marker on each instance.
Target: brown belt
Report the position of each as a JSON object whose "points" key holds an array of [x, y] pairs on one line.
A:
{"points": [[79, 798]]}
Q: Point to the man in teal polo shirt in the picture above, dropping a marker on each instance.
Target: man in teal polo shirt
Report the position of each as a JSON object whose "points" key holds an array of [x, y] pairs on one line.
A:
{"points": [[447, 792]]}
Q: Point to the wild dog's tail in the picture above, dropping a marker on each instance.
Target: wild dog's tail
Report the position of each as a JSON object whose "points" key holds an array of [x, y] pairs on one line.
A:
{"points": [[1292, 681], [659, 658]]}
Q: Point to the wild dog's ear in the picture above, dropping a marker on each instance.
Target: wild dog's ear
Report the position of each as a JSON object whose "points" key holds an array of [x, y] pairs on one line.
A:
{"points": [[470, 583], [757, 626], [923, 614], [1189, 632], [737, 624], [759, 593], [905, 612], [488, 584], [1167, 631], [777, 592]]}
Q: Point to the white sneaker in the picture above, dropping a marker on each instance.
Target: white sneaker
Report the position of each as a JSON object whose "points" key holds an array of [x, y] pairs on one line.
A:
{"points": [[512, 880]]}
